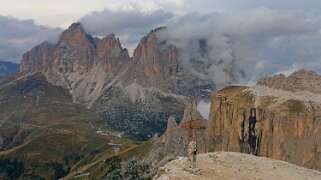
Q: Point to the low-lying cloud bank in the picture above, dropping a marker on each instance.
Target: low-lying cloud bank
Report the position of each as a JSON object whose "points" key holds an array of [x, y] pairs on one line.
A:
{"points": [[18, 36], [259, 42], [130, 25]]}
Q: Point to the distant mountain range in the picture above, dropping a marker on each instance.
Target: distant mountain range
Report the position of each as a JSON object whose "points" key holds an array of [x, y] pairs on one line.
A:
{"points": [[7, 68], [135, 94]]}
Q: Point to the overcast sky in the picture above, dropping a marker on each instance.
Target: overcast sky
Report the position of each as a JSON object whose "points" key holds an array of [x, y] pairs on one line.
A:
{"points": [[268, 36]]}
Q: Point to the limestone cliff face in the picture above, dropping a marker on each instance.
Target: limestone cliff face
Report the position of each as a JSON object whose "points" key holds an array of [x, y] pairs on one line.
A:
{"points": [[270, 119], [78, 62], [156, 64], [37, 57]]}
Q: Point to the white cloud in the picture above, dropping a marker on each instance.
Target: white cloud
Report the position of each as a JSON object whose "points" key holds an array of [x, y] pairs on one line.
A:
{"points": [[17, 37], [204, 108], [259, 41], [131, 25], [101, 23], [288, 71], [57, 13]]}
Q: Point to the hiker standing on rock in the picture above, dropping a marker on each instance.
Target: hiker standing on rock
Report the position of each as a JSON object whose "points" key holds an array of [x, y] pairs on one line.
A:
{"points": [[192, 151]]}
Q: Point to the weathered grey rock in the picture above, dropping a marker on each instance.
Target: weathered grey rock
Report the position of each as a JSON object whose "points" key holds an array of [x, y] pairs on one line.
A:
{"points": [[156, 64]]}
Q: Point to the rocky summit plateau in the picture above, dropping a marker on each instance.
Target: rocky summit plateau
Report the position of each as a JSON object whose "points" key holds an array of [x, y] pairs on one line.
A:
{"points": [[277, 118], [231, 165]]}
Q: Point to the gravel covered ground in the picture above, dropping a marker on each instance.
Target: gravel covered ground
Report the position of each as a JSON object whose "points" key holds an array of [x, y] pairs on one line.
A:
{"points": [[282, 95], [230, 165]]}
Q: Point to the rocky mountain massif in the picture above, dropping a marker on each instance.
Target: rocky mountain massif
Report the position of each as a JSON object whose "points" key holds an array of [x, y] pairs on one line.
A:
{"points": [[133, 94], [278, 118], [230, 165]]}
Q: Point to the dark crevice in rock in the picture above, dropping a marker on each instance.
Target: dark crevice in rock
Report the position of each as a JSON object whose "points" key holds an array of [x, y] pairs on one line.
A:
{"points": [[249, 141], [252, 140], [242, 141]]}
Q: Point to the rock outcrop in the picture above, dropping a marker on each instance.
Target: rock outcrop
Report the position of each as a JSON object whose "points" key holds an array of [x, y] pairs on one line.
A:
{"points": [[78, 62], [157, 64], [279, 118], [174, 141]]}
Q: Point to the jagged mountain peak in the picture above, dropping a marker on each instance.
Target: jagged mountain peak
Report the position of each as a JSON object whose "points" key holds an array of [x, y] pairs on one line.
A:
{"points": [[74, 28], [150, 40], [301, 80], [37, 58], [99, 73], [191, 113], [110, 46], [74, 35], [171, 131], [304, 74], [171, 121], [171, 126], [74, 60]]}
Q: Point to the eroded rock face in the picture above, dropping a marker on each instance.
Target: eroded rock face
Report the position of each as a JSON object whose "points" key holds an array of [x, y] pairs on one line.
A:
{"points": [[156, 64], [174, 141], [269, 119], [78, 62], [37, 58]]}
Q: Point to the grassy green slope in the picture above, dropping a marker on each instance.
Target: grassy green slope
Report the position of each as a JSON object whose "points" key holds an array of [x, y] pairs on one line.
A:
{"points": [[44, 135]]}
